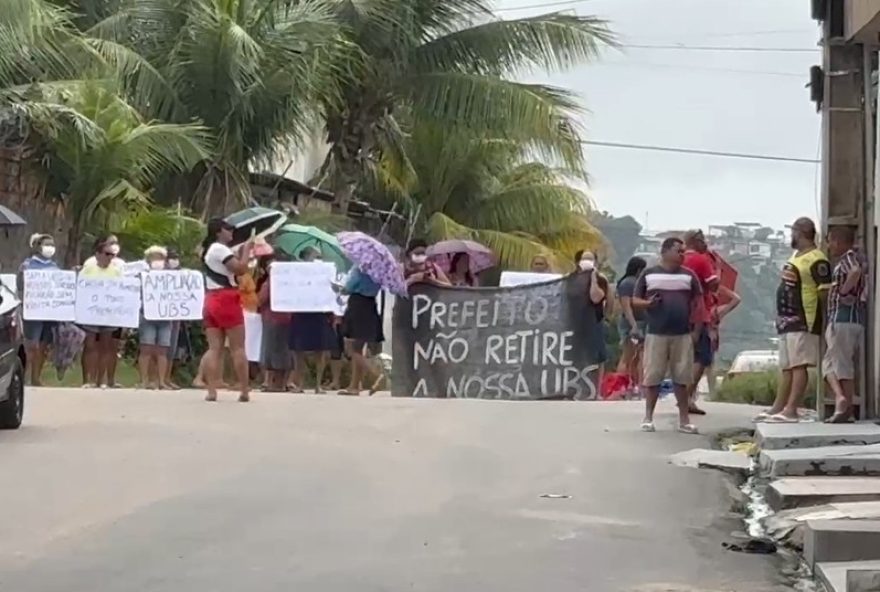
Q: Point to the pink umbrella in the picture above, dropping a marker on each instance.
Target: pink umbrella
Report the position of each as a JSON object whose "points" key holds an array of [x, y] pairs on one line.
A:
{"points": [[374, 259], [481, 257]]}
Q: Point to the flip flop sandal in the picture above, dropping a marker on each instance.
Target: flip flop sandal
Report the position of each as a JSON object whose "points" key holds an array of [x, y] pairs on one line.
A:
{"points": [[841, 418], [648, 426], [688, 428], [779, 418]]}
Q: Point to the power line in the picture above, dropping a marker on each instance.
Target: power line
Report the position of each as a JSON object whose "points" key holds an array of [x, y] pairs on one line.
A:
{"points": [[699, 68], [720, 48], [542, 5], [743, 155]]}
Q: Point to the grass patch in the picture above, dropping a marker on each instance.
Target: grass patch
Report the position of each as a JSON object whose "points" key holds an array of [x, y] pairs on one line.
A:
{"points": [[758, 388]]}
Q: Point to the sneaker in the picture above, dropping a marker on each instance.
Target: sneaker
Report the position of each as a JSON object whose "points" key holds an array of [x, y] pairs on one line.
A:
{"points": [[688, 428], [648, 426]]}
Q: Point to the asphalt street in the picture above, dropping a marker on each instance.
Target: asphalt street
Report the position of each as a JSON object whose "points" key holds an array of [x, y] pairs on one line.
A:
{"points": [[141, 491]]}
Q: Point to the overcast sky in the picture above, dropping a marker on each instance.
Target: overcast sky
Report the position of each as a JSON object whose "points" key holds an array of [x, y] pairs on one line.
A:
{"points": [[700, 100]]}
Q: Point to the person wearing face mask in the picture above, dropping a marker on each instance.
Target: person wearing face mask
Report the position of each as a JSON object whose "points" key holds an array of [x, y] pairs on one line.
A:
{"points": [[38, 335], [154, 337], [417, 268], [598, 298]]}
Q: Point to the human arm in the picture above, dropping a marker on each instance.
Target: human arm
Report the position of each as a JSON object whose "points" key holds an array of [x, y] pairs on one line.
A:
{"points": [[597, 294], [733, 300], [439, 277], [853, 275], [640, 297], [697, 307], [237, 265]]}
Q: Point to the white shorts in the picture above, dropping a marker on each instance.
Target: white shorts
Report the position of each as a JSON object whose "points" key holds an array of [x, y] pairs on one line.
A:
{"points": [[843, 341], [798, 350]]}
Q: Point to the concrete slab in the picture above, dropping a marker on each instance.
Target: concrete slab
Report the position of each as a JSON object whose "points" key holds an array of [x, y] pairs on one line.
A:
{"points": [[862, 461], [792, 492], [863, 580], [725, 460], [841, 540], [773, 436], [833, 574]]}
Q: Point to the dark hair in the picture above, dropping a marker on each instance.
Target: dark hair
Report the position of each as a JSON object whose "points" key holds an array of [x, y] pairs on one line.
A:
{"points": [[215, 225], [172, 253], [305, 252], [670, 243], [468, 276], [102, 241], [580, 253], [634, 268], [416, 243], [807, 227]]}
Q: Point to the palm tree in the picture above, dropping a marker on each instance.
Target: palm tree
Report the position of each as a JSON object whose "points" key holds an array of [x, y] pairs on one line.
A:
{"points": [[451, 61], [252, 71], [113, 170], [458, 185]]}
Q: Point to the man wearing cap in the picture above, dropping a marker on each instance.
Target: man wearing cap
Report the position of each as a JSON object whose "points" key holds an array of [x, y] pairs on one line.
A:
{"points": [[698, 259], [806, 278]]}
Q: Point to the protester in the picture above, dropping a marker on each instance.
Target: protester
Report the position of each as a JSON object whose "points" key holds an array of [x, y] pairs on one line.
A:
{"points": [[417, 268], [846, 317], [172, 263], [671, 294], [698, 259], [154, 337], [101, 344], [631, 325], [113, 246], [223, 314], [274, 355], [38, 335], [361, 325], [337, 353], [539, 264], [598, 299], [460, 271], [311, 336], [805, 280]]}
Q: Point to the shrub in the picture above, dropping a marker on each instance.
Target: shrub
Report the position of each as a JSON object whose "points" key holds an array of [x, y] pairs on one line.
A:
{"points": [[758, 388]]}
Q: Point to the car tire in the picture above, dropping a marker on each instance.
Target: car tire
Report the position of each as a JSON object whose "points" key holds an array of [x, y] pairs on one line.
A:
{"points": [[12, 409]]}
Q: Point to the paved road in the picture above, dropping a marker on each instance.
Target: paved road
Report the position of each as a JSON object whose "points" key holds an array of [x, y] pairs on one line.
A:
{"points": [[137, 491]]}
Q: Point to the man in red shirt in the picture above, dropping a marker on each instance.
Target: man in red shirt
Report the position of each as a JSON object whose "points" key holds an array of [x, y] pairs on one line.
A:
{"points": [[699, 260]]}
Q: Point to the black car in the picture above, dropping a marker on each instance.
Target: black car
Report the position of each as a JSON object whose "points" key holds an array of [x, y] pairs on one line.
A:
{"points": [[12, 361]]}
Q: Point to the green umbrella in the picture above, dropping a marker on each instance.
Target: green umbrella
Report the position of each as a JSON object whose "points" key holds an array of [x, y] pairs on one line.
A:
{"points": [[293, 238]]}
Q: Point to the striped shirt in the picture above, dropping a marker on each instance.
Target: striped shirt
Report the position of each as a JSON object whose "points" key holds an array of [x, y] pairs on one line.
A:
{"points": [[847, 308], [675, 293]]}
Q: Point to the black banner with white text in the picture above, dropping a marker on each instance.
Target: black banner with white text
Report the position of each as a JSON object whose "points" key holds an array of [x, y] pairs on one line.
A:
{"points": [[537, 341]]}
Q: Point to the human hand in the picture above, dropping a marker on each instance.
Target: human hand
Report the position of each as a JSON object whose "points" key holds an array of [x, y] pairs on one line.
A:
{"points": [[636, 333]]}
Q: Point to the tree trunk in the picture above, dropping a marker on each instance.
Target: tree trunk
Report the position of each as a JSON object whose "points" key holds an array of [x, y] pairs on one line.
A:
{"points": [[73, 255]]}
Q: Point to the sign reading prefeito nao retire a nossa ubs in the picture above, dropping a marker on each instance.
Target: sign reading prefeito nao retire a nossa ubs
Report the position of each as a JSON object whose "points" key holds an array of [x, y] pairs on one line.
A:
{"points": [[539, 341]]}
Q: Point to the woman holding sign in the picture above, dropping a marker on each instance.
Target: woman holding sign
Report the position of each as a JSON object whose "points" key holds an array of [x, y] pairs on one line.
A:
{"points": [[223, 314], [311, 334], [154, 337], [38, 334], [101, 344]]}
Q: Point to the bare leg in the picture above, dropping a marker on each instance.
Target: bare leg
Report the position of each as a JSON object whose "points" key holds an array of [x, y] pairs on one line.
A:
{"points": [[782, 392], [161, 357], [144, 365], [798, 390], [111, 361], [209, 366], [683, 401], [239, 361], [300, 363], [357, 364], [108, 348], [90, 360], [335, 374], [35, 361], [320, 365], [652, 393]]}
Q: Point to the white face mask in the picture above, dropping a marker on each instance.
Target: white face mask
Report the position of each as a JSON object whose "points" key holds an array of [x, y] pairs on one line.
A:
{"points": [[587, 264], [157, 264], [252, 264], [418, 259], [48, 251], [114, 248], [172, 264]]}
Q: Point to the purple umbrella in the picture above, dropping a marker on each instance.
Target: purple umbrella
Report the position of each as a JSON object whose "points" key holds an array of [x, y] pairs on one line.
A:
{"points": [[374, 259], [481, 257]]}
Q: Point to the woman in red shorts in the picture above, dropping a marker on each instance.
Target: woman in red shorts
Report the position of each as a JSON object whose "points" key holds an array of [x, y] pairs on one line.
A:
{"points": [[223, 315]]}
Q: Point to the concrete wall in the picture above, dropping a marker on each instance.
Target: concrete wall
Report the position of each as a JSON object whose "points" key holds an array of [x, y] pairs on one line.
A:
{"points": [[863, 20]]}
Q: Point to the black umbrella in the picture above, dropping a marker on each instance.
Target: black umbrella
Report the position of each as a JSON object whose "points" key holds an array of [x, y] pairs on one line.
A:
{"points": [[256, 222], [10, 218]]}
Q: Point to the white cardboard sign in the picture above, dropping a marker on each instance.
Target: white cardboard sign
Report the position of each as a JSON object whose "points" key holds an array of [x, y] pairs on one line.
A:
{"points": [[10, 280], [524, 278], [303, 287], [49, 295], [173, 295], [108, 302]]}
